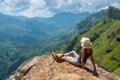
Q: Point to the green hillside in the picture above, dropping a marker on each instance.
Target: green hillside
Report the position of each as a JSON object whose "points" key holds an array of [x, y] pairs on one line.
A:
{"points": [[106, 44], [105, 37]]}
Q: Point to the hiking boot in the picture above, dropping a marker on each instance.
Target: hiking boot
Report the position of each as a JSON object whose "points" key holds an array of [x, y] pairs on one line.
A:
{"points": [[54, 55], [57, 57]]}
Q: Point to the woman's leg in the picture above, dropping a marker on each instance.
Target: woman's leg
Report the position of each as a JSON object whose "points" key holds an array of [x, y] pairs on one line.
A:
{"points": [[71, 60], [72, 53], [71, 57]]}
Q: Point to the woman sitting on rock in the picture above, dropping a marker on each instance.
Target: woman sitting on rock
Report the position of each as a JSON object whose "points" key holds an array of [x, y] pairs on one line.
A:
{"points": [[76, 59]]}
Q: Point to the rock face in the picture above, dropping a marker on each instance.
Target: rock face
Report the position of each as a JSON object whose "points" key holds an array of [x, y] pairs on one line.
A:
{"points": [[46, 68]]}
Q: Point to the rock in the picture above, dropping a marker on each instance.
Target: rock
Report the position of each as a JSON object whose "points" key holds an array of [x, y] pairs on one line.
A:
{"points": [[46, 68]]}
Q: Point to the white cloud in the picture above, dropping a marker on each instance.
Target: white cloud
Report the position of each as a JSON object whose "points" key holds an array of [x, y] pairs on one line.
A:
{"points": [[32, 12], [12, 7], [48, 8], [37, 8], [116, 4]]}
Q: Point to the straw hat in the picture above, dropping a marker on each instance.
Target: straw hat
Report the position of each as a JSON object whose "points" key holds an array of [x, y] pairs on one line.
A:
{"points": [[85, 42]]}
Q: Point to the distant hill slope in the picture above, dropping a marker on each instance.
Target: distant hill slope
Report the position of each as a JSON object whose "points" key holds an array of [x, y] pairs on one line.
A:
{"points": [[106, 44], [92, 20], [69, 18], [46, 68]]}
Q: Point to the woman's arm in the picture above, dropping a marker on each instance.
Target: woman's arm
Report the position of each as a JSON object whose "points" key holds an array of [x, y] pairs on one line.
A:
{"points": [[93, 61], [82, 58]]}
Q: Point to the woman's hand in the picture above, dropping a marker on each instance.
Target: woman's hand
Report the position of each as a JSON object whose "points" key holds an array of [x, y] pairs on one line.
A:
{"points": [[84, 71], [95, 72]]}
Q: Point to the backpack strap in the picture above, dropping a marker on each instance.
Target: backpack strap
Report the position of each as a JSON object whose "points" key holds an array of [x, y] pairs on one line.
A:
{"points": [[86, 50]]}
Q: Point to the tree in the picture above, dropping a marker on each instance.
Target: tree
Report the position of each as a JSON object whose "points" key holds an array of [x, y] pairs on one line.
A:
{"points": [[113, 12]]}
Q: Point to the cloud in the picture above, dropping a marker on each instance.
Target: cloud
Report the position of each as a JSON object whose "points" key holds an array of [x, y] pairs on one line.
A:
{"points": [[48, 8], [13, 7], [37, 8]]}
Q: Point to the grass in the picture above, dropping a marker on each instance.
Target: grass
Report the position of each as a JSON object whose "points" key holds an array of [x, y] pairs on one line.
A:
{"points": [[105, 46], [117, 72]]}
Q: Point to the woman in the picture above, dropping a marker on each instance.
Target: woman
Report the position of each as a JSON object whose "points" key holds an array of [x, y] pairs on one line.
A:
{"points": [[81, 59]]}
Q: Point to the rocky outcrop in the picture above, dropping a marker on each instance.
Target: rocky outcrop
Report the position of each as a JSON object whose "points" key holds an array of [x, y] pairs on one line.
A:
{"points": [[46, 68]]}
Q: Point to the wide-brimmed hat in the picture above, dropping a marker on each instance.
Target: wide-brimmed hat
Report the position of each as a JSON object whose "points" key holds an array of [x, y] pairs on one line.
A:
{"points": [[85, 42]]}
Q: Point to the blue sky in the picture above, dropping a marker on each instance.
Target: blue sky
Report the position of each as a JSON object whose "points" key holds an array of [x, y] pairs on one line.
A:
{"points": [[48, 8]]}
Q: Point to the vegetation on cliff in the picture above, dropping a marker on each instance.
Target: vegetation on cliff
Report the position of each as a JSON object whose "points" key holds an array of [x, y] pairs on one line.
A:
{"points": [[106, 41]]}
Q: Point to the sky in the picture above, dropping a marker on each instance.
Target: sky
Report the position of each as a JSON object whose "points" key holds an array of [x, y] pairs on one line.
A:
{"points": [[48, 8]]}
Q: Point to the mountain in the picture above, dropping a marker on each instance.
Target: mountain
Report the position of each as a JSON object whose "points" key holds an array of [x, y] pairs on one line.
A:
{"points": [[23, 38], [46, 68], [69, 18], [105, 37], [41, 26], [39, 46]]}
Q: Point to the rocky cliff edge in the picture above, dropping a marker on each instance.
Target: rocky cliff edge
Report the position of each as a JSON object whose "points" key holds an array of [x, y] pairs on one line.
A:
{"points": [[46, 68]]}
